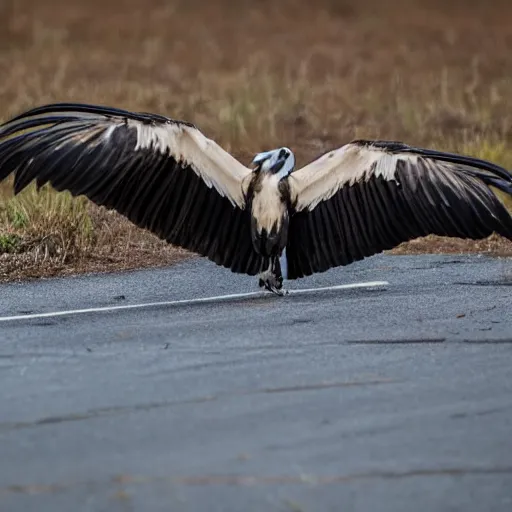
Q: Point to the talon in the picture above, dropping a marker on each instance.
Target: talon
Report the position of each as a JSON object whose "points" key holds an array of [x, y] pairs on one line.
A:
{"points": [[273, 284], [272, 280], [279, 292]]}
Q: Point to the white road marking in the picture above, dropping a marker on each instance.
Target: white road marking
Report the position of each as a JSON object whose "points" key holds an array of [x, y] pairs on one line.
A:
{"points": [[218, 298]]}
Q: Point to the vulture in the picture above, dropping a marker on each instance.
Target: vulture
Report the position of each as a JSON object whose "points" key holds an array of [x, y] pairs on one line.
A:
{"points": [[167, 177]]}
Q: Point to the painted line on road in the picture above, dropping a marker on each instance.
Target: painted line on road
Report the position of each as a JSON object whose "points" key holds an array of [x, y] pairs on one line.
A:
{"points": [[218, 298]]}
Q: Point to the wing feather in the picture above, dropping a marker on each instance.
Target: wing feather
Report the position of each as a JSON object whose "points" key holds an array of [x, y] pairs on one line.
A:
{"points": [[163, 175], [370, 196]]}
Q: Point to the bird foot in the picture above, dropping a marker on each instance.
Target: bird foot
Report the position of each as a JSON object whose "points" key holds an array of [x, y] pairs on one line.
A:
{"points": [[272, 283]]}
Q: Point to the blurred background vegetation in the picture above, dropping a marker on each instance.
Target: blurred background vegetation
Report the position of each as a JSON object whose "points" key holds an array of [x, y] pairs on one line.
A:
{"points": [[253, 75]]}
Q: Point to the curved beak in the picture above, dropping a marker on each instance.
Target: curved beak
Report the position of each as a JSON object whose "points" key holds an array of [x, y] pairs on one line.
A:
{"points": [[261, 157]]}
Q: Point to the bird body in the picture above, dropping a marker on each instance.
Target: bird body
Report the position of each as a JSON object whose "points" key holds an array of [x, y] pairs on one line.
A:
{"points": [[165, 176], [268, 199]]}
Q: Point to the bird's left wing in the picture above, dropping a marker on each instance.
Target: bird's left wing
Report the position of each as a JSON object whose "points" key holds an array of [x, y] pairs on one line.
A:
{"points": [[162, 174], [369, 196]]}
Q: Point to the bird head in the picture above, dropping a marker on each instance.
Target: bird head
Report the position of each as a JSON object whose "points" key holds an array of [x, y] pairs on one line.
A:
{"points": [[279, 161]]}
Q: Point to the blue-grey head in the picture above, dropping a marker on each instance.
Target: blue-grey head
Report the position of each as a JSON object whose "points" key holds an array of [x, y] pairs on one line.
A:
{"points": [[279, 161]]}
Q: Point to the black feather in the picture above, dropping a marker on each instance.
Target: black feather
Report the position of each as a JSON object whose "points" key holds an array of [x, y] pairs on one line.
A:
{"points": [[442, 194], [65, 144]]}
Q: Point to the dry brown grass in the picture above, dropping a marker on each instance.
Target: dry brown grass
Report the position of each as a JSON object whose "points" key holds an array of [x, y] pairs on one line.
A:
{"points": [[252, 75]]}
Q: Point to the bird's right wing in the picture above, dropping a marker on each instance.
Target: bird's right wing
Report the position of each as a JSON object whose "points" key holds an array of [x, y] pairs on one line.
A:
{"points": [[162, 174], [369, 196]]}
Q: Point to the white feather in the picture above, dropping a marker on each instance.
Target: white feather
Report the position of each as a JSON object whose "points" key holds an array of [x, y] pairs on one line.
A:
{"points": [[188, 146], [268, 208], [322, 178]]}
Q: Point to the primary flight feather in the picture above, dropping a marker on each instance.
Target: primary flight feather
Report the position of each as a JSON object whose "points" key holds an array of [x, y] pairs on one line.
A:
{"points": [[166, 176]]}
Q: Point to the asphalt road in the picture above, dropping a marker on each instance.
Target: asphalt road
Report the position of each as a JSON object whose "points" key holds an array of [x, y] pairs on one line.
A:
{"points": [[387, 399]]}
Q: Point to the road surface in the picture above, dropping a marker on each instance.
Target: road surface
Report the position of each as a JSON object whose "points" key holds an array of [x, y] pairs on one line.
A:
{"points": [[392, 398]]}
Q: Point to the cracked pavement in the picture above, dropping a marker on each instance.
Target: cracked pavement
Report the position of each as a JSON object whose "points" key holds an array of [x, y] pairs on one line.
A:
{"points": [[377, 399]]}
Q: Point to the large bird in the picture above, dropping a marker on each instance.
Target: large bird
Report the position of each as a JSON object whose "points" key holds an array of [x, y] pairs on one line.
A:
{"points": [[167, 177]]}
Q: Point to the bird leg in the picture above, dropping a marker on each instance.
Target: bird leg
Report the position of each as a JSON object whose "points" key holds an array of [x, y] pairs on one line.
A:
{"points": [[271, 278]]}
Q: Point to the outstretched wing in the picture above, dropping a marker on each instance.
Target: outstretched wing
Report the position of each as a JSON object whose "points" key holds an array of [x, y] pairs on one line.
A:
{"points": [[163, 175], [369, 196]]}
